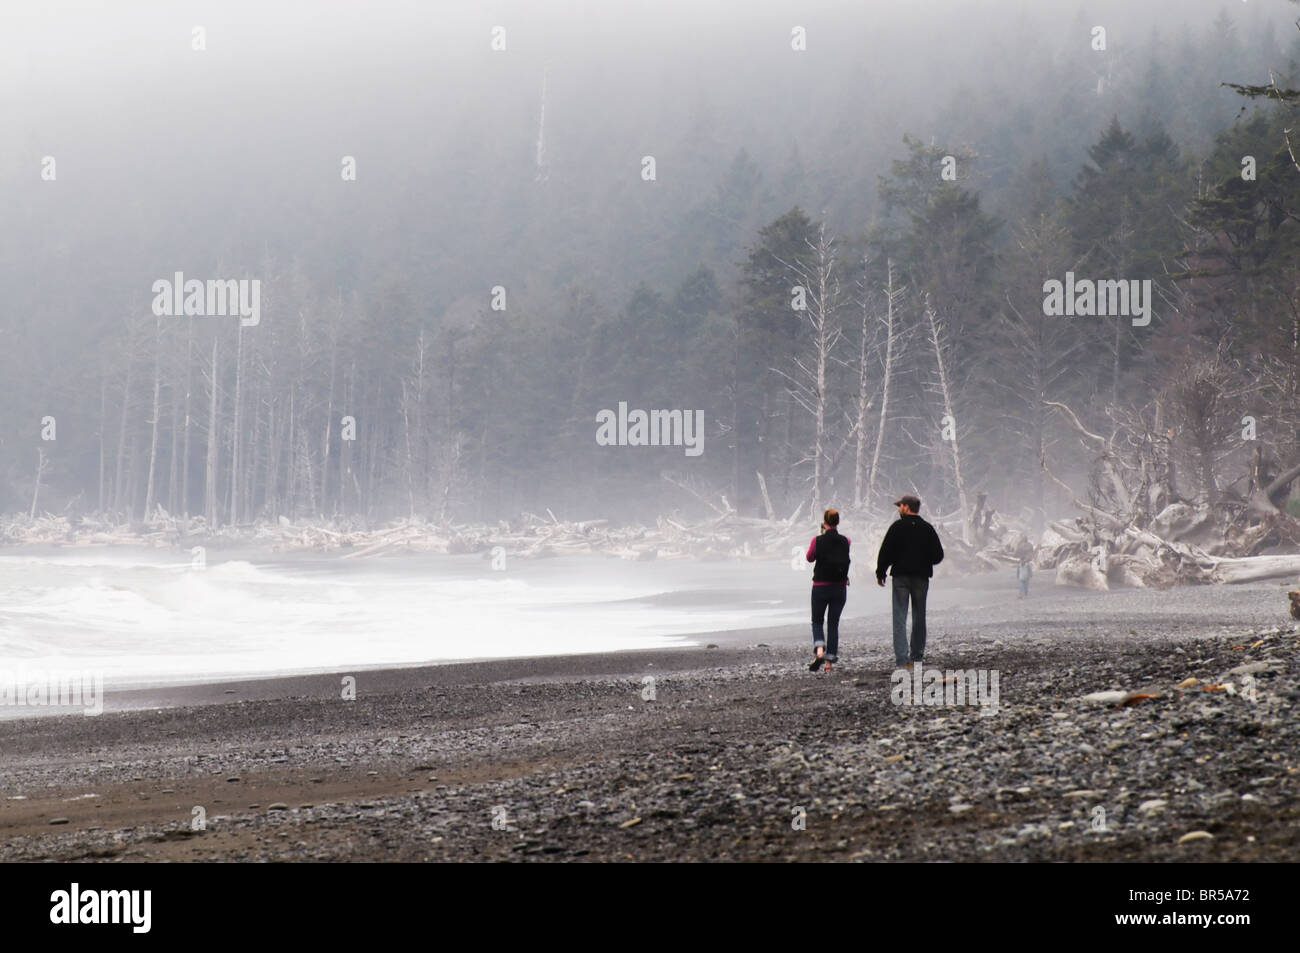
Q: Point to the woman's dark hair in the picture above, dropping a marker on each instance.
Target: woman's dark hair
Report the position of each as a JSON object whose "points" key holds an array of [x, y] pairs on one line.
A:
{"points": [[831, 517]]}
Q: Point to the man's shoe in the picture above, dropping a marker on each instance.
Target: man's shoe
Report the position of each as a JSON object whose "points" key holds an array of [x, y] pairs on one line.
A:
{"points": [[818, 659]]}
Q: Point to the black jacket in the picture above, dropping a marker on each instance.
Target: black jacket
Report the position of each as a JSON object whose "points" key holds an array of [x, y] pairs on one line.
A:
{"points": [[911, 547]]}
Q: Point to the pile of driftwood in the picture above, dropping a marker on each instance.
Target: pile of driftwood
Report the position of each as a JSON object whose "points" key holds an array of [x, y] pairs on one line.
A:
{"points": [[60, 531], [723, 536], [1182, 544], [1136, 530]]}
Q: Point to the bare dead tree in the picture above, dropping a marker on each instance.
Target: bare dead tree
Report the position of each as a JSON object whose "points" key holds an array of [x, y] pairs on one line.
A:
{"points": [[691, 486], [103, 422], [1202, 397], [861, 498], [210, 467], [185, 448], [119, 497], [235, 432], [807, 385], [453, 451], [155, 421], [413, 389], [36, 487], [939, 343], [864, 402]]}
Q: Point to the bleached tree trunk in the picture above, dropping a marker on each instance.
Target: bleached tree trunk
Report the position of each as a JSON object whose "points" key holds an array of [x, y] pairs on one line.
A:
{"points": [[737, 408], [210, 469], [540, 175], [346, 446], [270, 468], [946, 393], [421, 457], [824, 264], [372, 458], [417, 387], [291, 451], [121, 434], [410, 456], [235, 440], [297, 464], [133, 476], [807, 386], [185, 451], [786, 413], [1252, 568], [767, 500], [273, 486], [451, 436], [174, 454], [308, 477], [452, 467], [265, 497], [103, 424], [155, 420], [891, 296], [329, 414], [860, 426], [40, 472]]}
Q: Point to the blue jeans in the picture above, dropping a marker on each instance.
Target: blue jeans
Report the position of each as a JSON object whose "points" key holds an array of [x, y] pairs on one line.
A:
{"points": [[828, 601], [909, 589]]}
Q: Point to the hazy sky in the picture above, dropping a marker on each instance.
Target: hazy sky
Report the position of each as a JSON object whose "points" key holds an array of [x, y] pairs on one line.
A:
{"points": [[154, 138], [61, 54]]}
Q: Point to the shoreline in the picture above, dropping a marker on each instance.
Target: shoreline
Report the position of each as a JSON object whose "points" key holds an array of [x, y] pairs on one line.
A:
{"points": [[582, 758], [866, 629], [326, 681]]}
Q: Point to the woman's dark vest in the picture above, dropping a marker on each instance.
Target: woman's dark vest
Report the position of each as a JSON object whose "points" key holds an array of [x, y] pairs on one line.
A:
{"points": [[832, 554]]}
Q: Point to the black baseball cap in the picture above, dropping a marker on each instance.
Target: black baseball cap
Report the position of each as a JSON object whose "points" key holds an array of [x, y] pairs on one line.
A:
{"points": [[912, 501]]}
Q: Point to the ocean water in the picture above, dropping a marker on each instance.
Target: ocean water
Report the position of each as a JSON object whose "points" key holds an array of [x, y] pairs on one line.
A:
{"points": [[145, 618]]}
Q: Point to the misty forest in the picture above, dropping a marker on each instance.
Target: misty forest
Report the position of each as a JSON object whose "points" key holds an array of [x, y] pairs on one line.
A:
{"points": [[838, 257]]}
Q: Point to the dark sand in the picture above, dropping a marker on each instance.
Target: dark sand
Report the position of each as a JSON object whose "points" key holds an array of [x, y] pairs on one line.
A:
{"points": [[563, 758]]}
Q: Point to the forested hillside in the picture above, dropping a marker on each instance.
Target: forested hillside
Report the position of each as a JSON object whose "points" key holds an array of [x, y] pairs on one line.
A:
{"points": [[838, 257]]}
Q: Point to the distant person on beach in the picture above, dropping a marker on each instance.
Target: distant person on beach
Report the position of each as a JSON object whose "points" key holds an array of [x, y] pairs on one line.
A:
{"points": [[1023, 572], [829, 554], [912, 548]]}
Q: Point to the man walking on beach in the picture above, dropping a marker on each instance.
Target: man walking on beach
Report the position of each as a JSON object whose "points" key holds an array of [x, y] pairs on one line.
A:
{"points": [[829, 554], [1024, 571], [912, 548]]}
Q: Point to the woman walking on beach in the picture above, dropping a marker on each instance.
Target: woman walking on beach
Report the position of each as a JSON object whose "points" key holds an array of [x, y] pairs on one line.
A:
{"points": [[829, 554]]}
